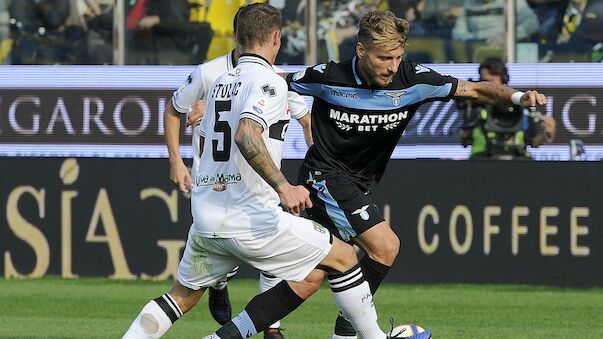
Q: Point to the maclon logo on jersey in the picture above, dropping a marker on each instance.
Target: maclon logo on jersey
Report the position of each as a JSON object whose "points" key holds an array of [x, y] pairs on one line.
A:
{"points": [[367, 122], [219, 182]]}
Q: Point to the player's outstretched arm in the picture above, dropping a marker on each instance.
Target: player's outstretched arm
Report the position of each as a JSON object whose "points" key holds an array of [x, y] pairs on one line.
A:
{"points": [[251, 144], [179, 173], [490, 93]]}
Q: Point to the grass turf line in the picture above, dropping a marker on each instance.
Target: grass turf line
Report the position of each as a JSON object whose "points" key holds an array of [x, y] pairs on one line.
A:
{"points": [[103, 308]]}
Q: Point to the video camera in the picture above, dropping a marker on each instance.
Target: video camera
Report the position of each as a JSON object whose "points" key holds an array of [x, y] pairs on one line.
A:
{"points": [[506, 128]]}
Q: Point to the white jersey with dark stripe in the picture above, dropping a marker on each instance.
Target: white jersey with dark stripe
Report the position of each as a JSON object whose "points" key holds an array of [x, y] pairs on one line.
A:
{"points": [[199, 82], [356, 127], [229, 199]]}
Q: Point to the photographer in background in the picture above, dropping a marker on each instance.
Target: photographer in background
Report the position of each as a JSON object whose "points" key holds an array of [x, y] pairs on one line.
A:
{"points": [[502, 132]]}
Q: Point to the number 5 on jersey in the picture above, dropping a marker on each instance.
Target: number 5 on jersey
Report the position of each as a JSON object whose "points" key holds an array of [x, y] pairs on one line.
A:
{"points": [[224, 128]]}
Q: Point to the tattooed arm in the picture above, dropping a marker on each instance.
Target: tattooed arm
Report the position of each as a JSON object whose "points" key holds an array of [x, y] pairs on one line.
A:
{"points": [[490, 93], [251, 144]]}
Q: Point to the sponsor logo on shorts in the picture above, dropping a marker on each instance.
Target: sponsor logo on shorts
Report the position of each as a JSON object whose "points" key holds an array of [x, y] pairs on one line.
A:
{"points": [[319, 228], [362, 212]]}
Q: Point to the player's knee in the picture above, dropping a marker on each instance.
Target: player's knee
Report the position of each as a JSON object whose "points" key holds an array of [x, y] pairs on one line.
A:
{"points": [[311, 284], [393, 246], [387, 251], [391, 249], [347, 258], [341, 258]]}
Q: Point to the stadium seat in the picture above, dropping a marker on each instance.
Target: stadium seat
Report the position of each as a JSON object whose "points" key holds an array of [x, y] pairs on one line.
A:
{"points": [[427, 49]]}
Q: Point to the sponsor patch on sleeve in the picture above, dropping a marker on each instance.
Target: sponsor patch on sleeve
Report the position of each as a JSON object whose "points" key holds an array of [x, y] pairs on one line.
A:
{"points": [[270, 90], [299, 75], [421, 69]]}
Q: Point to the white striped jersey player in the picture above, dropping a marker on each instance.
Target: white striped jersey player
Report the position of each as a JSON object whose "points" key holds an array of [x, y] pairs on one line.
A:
{"points": [[224, 182], [236, 213], [200, 81]]}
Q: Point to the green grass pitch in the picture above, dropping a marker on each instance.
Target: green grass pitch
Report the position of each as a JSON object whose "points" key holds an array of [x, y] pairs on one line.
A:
{"points": [[103, 308]]}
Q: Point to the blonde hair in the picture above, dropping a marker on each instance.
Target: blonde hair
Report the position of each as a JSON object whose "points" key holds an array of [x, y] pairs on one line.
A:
{"points": [[384, 29]]}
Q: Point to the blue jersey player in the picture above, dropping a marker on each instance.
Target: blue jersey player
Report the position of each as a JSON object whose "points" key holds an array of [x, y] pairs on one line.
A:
{"points": [[361, 107]]}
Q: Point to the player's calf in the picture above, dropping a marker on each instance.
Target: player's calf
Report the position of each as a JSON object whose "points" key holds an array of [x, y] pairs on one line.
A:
{"points": [[268, 281], [219, 305], [263, 310], [219, 302], [156, 317], [353, 296]]}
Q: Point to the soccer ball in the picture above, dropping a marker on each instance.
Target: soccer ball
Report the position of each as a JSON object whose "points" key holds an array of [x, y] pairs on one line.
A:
{"points": [[406, 331]]}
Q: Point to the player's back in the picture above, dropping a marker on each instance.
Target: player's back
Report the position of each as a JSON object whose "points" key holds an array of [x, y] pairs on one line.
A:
{"points": [[229, 197]]}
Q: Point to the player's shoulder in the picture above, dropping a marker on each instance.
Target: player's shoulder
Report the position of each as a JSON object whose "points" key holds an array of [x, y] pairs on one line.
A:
{"points": [[219, 61], [328, 73], [269, 82], [261, 81], [340, 71], [412, 72], [213, 68], [412, 68]]}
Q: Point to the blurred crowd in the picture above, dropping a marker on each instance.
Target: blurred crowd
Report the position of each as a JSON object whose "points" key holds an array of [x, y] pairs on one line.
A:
{"points": [[190, 31], [57, 32]]}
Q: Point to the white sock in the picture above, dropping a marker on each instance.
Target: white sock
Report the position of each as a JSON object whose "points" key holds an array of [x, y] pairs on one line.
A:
{"points": [[153, 321], [267, 282], [353, 296]]}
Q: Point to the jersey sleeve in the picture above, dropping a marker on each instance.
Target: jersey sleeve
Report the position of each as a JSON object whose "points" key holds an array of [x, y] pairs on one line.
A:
{"points": [[432, 85], [191, 90], [266, 101], [308, 81], [297, 105]]}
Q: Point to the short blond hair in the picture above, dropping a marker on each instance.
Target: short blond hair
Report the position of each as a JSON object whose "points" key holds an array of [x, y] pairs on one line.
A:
{"points": [[384, 29]]}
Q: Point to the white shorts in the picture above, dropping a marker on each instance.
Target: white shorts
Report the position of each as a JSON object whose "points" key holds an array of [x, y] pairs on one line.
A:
{"points": [[291, 252]]}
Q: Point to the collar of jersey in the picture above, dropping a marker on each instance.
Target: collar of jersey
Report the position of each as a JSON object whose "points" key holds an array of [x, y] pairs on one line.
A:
{"points": [[356, 76], [232, 63], [253, 58]]}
